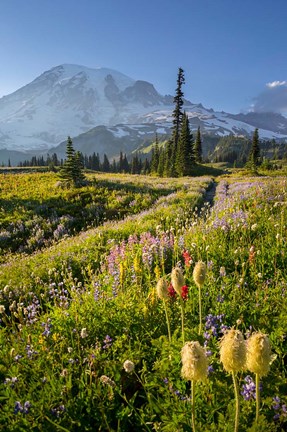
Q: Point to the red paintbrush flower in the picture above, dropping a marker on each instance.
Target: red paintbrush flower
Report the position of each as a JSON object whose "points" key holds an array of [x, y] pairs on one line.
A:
{"points": [[187, 258], [171, 291], [184, 292]]}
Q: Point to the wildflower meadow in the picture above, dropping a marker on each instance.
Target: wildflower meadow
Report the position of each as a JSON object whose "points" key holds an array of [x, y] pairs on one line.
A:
{"points": [[140, 303]]}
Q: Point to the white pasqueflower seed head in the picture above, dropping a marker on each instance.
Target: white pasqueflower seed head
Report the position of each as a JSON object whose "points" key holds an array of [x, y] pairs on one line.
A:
{"points": [[177, 279], [222, 271], [233, 351], [194, 362], [162, 289], [258, 356], [128, 366], [84, 333], [107, 381], [199, 273]]}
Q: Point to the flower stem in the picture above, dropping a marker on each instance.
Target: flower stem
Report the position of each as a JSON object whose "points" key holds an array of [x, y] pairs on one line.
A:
{"points": [[257, 397], [200, 312], [193, 405], [167, 321], [182, 320], [236, 392]]}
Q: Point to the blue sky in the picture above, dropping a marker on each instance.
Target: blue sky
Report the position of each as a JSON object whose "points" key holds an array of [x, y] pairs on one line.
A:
{"points": [[229, 49]]}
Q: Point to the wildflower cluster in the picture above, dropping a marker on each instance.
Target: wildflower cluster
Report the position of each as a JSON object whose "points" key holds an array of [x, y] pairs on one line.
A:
{"points": [[23, 409], [280, 408]]}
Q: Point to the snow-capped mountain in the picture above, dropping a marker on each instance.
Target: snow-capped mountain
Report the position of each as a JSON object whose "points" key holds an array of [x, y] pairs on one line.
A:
{"points": [[71, 99], [270, 125]]}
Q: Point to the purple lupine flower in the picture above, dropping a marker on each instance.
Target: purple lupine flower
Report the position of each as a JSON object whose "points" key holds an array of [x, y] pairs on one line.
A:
{"points": [[249, 388], [58, 410], [18, 407], [107, 342], [47, 327], [31, 353], [27, 406], [220, 298], [23, 409], [276, 403]]}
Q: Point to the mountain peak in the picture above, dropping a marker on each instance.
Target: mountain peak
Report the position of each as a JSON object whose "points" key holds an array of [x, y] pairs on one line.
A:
{"points": [[70, 99]]}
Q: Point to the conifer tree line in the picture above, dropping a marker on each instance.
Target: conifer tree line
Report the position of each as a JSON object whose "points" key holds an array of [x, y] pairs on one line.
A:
{"points": [[91, 162]]}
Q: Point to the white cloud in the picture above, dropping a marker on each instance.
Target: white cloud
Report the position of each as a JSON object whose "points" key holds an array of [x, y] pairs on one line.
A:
{"points": [[272, 99], [276, 84]]}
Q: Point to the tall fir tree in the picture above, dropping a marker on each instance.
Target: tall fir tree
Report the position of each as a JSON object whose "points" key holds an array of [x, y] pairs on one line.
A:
{"points": [[161, 162], [177, 119], [169, 170], [155, 156], [254, 155], [198, 147], [177, 112], [185, 155]]}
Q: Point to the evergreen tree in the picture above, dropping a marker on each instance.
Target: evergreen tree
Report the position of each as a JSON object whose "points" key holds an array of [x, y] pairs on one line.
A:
{"points": [[135, 165], [146, 166], [161, 163], [71, 171], [177, 112], [198, 147], [155, 156], [254, 155], [126, 165], [54, 159], [78, 174], [95, 162], [185, 156], [168, 170], [114, 166], [177, 120], [106, 164], [121, 162], [66, 172]]}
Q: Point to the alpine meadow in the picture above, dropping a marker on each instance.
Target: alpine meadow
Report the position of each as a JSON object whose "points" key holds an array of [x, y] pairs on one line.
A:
{"points": [[144, 290]]}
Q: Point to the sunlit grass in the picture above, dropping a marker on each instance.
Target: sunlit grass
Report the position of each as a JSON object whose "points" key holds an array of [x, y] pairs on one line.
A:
{"points": [[73, 313]]}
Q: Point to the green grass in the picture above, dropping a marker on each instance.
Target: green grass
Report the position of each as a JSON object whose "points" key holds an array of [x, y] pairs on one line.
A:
{"points": [[76, 311]]}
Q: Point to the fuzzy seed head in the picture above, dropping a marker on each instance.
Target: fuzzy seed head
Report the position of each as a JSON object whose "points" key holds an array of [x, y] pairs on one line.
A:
{"points": [[199, 273], [194, 362], [177, 279], [233, 351], [162, 289], [107, 381], [84, 333], [128, 366], [258, 354]]}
